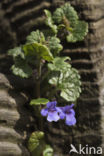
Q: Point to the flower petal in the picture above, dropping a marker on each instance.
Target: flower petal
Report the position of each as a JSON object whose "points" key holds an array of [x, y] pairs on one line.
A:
{"points": [[51, 104], [62, 115], [60, 111], [70, 120], [68, 108], [44, 112], [53, 116], [72, 111], [71, 106]]}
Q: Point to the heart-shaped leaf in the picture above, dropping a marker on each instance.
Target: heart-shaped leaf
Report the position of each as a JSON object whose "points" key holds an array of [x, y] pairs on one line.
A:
{"points": [[79, 32], [35, 36], [67, 81], [39, 50], [16, 52], [65, 12], [59, 64], [54, 45], [21, 68]]}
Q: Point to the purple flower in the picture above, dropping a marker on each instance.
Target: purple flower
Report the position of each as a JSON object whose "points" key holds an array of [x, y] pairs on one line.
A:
{"points": [[51, 112], [67, 113]]}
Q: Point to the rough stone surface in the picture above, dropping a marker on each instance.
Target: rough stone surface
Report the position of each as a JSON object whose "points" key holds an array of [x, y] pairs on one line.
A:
{"points": [[16, 121], [17, 19]]}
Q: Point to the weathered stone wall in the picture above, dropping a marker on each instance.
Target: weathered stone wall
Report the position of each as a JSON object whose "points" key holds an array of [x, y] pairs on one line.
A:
{"points": [[88, 58], [17, 19], [16, 121]]}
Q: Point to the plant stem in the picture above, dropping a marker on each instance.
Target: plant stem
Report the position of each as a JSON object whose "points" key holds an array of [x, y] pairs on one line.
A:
{"points": [[39, 70], [40, 120], [38, 81], [39, 94], [38, 89]]}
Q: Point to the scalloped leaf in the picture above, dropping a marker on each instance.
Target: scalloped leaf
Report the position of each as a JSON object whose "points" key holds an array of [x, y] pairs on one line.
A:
{"points": [[39, 101], [59, 64], [68, 82], [49, 21], [21, 68], [48, 151], [71, 92], [54, 45], [58, 15], [17, 51], [36, 143], [39, 50], [66, 11], [79, 32], [54, 78], [35, 36], [70, 14]]}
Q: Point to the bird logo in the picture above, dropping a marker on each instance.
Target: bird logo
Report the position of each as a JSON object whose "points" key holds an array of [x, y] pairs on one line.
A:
{"points": [[73, 149]]}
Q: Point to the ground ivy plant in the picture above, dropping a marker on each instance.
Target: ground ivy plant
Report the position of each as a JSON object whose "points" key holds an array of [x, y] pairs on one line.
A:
{"points": [[54, 78]]}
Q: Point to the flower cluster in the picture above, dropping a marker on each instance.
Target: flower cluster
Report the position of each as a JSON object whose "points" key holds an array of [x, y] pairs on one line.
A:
{"points": [[54, 113]]}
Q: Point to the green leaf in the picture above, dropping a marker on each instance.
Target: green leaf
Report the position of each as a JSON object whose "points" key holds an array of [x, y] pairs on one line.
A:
{"points": [[54, 78], [70, 85], [79, 32], [68, 18], [59, 64], [68, 82], [21, 68], [39, 50], [54, 45], [66, 11], [39, 101], [58, 15], [35, 36], [50, 22], [36, 143], [48, 151], [70, 14], [70, 93], [16, 52]]}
